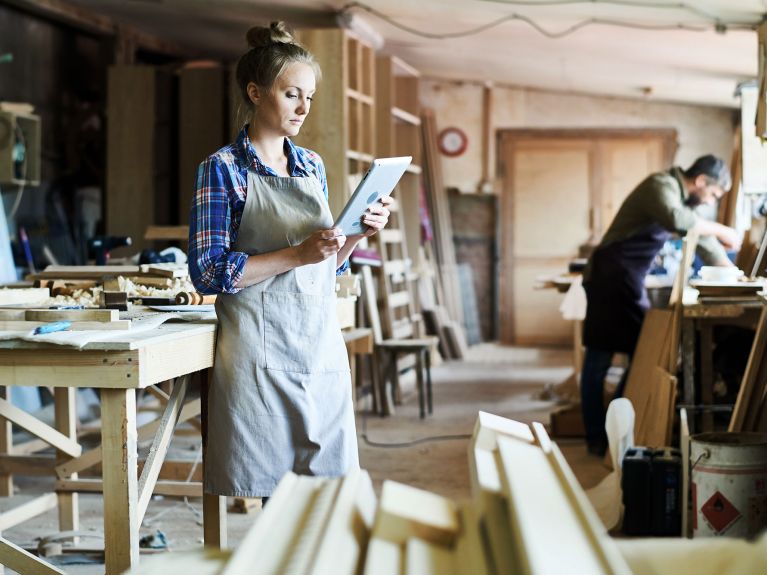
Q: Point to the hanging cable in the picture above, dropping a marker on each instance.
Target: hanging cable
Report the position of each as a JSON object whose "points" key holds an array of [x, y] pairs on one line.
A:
{"points": [[719, 25]]}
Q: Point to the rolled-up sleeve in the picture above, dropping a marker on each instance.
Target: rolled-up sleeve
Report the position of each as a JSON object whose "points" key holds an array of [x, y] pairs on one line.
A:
{"points": [[711, 251], [213, 266]]}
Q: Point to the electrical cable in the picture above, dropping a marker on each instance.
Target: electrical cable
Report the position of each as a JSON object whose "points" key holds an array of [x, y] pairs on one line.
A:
{"points": [[719, 25], [400, 445]]}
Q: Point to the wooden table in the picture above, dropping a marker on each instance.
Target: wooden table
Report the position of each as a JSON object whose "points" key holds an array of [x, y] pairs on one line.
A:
{"points": [[117, 369], [701, 318]]}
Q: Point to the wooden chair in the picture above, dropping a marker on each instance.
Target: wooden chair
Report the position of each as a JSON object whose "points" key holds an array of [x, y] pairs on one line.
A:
{"points": [[388, 350]]}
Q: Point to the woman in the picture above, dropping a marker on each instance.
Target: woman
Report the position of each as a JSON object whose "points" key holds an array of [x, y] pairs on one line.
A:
{"points": [[261, 237]]}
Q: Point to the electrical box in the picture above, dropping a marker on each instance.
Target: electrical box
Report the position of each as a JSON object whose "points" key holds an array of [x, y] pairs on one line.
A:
{"points": [[19, 145]]}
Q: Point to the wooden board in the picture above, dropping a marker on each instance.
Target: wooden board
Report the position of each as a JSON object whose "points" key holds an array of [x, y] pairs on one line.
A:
{"points": [[9, 296], [406, 511]]}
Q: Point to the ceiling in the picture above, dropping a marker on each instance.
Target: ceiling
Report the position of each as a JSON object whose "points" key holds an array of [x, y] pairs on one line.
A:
{"points": [[694, 63]]}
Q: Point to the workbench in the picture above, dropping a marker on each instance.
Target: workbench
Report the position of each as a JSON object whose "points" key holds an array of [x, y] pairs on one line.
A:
{"points": [[117, 368], [700, 318]]}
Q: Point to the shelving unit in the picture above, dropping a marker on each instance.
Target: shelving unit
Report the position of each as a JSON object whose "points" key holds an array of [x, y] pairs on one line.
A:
{"points": [[341, 125]]}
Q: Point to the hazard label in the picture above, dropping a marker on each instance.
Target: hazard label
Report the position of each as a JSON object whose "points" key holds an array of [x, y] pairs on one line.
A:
{"points": [[720, 514]]}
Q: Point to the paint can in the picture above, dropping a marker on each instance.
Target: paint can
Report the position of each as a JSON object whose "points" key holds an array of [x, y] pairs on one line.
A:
{"points": [[729, 484]]}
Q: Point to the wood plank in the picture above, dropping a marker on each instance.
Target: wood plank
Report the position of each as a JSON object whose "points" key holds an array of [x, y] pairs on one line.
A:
{"points": [[65, 410], [123, 324], [423, 557], [406, 511], [160, 445], [528, 474], [9, 296], [344, 543], [36, 465], [22, 561], [6, 446], [27, 510], [383, 557], [69, 367], [120, 484], [167, 488], [751, 385], [73, 315], [214, 520], [39, 429]]}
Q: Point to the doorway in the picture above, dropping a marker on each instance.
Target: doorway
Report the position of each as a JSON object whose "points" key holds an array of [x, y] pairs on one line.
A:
{"points": [[561, 189]]}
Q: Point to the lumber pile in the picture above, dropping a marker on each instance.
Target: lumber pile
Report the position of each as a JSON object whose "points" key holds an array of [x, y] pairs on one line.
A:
{"points": [[527, 515]]}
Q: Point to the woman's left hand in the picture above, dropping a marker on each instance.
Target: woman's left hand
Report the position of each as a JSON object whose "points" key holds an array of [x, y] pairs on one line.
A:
{"points": [[377, 216]]}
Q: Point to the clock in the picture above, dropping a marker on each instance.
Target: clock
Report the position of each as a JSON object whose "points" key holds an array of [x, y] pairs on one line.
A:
{"points": [[452, 142]]}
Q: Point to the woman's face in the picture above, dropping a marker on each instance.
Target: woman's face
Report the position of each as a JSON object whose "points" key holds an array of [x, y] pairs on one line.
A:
{"points": [[282, 109]]}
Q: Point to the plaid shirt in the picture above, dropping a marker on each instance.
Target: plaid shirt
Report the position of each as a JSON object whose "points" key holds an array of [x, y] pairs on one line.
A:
{"points": [[219, 200]]}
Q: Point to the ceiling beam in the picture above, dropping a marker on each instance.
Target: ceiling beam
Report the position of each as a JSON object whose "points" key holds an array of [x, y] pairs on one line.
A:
{"points": [[88, 21]]}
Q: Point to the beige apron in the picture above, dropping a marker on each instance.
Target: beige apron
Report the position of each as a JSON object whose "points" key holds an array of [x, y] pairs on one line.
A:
{"points": [[281, 393]]}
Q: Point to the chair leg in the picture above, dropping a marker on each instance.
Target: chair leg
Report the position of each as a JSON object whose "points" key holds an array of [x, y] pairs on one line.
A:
{"points": [[396, 390], [419, 377], [370, 360], [427, 357], [380, 366]]}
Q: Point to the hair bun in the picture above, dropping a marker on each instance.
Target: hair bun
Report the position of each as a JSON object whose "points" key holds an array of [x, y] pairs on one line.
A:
{"points": [[276, 33]]}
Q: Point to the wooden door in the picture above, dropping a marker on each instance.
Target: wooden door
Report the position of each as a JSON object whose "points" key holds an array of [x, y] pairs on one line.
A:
{"points": [[560, 191]]}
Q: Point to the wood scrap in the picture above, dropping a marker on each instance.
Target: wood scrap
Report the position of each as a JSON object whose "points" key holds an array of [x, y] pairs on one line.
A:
{"points": [[406, 511], [754, 383], [13, 296]]}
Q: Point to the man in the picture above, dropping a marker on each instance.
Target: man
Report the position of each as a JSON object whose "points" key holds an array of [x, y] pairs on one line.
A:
{"points": [[662, 205]]}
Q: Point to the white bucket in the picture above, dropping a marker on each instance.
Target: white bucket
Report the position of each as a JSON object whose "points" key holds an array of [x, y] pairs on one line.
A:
{"points": [[729, 484]]}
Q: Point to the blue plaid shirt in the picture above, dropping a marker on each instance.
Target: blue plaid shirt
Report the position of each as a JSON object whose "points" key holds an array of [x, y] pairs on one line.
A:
{"points": [[219, 200]]}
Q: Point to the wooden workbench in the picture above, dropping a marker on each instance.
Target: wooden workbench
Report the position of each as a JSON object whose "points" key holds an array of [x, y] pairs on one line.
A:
{"points": [[117, 368], [701, 318]]}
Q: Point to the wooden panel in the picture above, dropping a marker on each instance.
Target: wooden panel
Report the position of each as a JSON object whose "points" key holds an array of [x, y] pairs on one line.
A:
{"points": [[202, 124], [625, 164], [551, 190], [130, 205], [84, 369]]}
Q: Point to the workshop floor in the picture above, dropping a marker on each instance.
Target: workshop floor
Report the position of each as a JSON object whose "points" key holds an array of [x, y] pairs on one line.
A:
{"points": [[501, 380]]}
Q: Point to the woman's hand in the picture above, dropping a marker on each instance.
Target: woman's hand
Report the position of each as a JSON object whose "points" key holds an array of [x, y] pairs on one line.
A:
{"points": [[377, 216], [320, 246]]}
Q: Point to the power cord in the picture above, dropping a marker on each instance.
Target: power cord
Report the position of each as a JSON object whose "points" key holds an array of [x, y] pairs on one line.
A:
{"points": [[403, 444], [718, 24]]}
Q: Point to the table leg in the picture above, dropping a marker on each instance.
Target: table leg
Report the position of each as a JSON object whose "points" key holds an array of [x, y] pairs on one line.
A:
{"points": [[213, 506], [119, 469], [66, 423], [706, 374], [6, 446], [688, 365]]}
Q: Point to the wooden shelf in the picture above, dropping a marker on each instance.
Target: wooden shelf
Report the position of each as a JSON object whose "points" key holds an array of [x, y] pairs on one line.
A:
{"points": [[360, 97], [359, 156], [406, 117]]}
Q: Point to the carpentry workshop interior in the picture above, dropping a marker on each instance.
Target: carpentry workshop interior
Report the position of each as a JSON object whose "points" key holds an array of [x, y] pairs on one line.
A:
{"points": [[502, 266]]}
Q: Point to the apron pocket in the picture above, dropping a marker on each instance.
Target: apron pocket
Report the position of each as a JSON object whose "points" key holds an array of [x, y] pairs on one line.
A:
{"points": [[296, 333]]}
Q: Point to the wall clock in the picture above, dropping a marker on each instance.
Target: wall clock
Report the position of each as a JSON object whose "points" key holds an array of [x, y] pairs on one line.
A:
{"points": [[452, 142]]}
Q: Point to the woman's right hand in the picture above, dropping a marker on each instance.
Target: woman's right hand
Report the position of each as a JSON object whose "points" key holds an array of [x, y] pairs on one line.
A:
{"points": [[320, 246]]}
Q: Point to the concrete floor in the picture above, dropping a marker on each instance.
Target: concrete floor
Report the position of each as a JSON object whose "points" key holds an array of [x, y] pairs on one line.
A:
{"points": [[501, 380]]}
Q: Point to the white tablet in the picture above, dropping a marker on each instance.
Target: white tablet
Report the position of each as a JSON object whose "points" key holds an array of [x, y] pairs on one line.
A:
{"points": [[379, 181]]}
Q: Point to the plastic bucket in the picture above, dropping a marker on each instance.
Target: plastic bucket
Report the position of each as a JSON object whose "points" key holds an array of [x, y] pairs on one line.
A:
{"points": [[729, 484]]}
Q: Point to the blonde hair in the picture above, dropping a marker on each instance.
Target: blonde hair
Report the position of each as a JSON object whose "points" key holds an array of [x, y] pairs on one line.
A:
{"points": [[272, 49]]}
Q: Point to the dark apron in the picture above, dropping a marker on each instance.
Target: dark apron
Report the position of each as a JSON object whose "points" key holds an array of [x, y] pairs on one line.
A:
{"points": [[617, 298]]}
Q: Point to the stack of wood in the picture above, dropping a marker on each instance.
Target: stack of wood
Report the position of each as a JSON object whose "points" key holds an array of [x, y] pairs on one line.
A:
{"points": [[113, 286], [24, 319], [528, 514]]}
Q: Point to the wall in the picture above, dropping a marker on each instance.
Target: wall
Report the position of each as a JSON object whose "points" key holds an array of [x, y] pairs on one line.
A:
{"points": [[701, 129]]}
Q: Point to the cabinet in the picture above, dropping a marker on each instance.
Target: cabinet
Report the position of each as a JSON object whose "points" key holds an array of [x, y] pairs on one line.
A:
{"points": [[341, 124]]}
